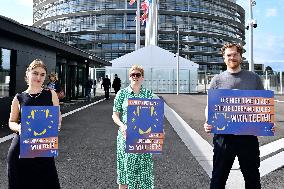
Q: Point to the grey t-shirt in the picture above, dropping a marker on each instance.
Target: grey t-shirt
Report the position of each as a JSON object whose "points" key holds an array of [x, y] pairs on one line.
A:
{"points": [[243, 80]]}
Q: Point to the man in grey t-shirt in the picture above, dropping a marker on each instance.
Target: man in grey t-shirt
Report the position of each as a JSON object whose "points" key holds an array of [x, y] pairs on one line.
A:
{"points": [[226, 146]]}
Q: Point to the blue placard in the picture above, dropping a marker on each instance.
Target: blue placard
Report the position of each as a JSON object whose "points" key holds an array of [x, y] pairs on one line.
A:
{"points": [[241, 112], [39, 131], [145, 119]]}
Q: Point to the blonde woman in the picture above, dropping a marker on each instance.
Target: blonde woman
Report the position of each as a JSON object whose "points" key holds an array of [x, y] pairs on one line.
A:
{"points": [[37, 172], [133, 170]]}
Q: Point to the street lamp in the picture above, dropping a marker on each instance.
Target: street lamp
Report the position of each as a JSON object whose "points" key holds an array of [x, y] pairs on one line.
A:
{"points": [[178, 60], [250, 25], [281, 83]]}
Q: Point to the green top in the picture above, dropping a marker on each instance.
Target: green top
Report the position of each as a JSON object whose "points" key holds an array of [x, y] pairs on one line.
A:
{"points": [[121, 100]]}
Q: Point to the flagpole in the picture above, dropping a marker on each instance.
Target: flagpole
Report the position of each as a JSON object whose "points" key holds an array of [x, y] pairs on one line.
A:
{"points": [[177, 59], [151, 30], [137, 46]]}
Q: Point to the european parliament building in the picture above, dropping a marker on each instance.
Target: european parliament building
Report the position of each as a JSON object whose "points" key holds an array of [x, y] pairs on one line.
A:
{"points": [[106, 28]]}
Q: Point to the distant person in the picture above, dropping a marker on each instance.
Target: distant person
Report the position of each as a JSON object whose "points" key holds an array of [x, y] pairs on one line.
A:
{"points": [[228, 146], [133, 170], [101, 82], [116, 84], [54, 84], [39, 172], [106, 84], [89, 85], [94, 87]]}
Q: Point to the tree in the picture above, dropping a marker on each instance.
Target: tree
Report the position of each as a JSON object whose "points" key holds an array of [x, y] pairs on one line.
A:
{"points": [[269, 70]]}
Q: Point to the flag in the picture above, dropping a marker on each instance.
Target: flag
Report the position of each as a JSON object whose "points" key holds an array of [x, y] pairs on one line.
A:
{"points": [[132, 2], [145, 9], [143, 18], [145, 6], [150, 17]]}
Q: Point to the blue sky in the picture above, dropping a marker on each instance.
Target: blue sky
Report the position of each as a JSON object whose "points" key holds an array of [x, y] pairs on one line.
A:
{"points": [[268, 36]]}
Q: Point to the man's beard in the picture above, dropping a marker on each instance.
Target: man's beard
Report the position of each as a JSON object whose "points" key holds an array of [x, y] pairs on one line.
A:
{"points": [[234, 64]]}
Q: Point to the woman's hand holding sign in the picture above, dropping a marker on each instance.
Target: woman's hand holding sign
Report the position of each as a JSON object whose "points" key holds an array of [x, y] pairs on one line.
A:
{"points": [[207, 127], [123, 129]]}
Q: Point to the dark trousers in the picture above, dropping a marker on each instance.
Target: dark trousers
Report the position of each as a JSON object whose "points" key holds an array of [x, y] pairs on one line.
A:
{"points": [[116, 90], [106, 93], [88, 93], [226, 148]]}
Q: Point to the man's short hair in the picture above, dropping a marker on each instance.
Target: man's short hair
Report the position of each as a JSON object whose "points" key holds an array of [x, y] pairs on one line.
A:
{"points": [[230, 45]]}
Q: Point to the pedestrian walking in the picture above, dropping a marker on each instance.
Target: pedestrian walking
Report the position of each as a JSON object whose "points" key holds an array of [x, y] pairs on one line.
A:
{"points": [[94, 87], [89, 85], [116, 84], [39, 172], [106, 84], [228, 146], [133, 170], [101, 82]]}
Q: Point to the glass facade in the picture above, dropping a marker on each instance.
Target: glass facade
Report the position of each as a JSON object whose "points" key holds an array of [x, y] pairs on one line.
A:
{"points": [[5, 66], [106, 28]]}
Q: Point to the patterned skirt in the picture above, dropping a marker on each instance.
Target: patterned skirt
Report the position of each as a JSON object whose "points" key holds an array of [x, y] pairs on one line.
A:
{"points": [[135, 170]]}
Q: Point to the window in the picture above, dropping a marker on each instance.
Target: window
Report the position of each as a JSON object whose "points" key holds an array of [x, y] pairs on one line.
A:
{"points": [[4, 72]]}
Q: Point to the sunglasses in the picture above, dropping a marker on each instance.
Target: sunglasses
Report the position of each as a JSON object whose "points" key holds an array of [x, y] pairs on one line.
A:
{"points": [[138, 75]]}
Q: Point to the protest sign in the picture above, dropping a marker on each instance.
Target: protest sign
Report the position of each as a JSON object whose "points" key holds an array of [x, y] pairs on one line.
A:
{"points": [[39, 131], [241, 112], [145, 119]]}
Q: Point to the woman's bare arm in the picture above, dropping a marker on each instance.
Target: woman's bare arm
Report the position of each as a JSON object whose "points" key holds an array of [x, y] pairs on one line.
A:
{"points": [[55, 102], [116, 119], [14, 116]]}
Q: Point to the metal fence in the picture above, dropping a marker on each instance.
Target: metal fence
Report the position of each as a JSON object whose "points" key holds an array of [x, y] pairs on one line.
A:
{"points": [[164, 80], [159, 80], [271, 80]]}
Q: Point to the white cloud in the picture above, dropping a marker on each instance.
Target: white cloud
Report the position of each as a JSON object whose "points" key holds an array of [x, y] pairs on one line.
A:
{"points": [[268, 50], [271, 12], [27, 3]]}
